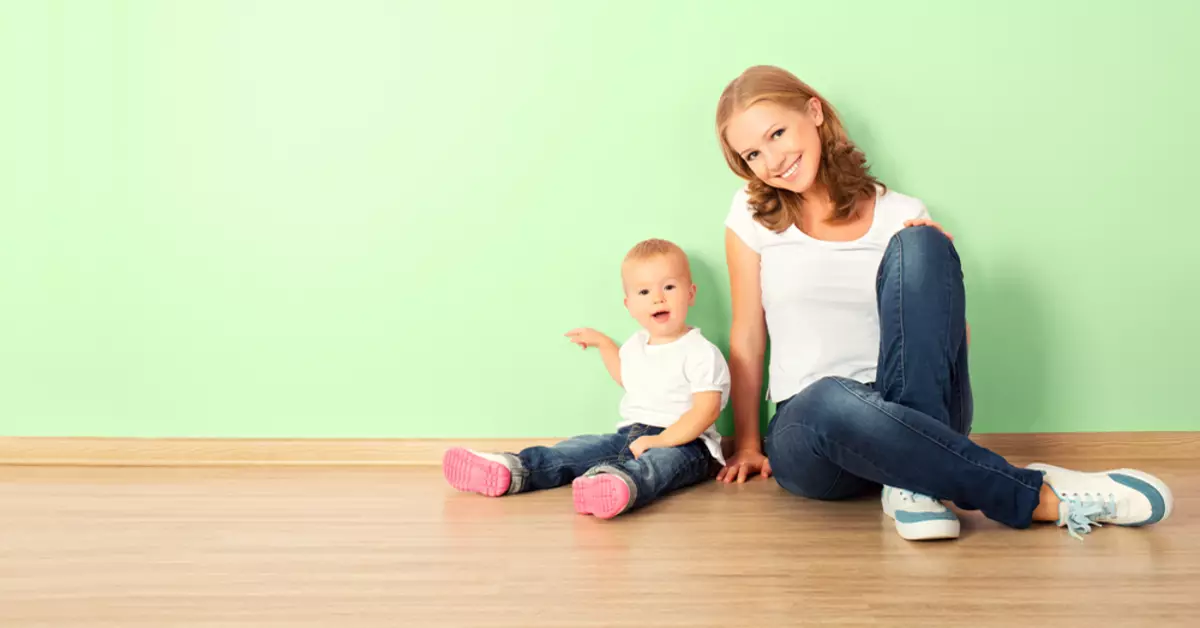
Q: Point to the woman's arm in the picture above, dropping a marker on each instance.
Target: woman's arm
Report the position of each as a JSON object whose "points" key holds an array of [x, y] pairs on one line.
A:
{"points": [[747, 346]]}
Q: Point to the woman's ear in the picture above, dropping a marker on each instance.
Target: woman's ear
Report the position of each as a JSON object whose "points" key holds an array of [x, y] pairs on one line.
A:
{"points": [[815, 112]]}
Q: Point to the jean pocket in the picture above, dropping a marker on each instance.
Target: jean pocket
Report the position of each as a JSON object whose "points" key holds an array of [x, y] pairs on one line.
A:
{"points": [[635, 432]]}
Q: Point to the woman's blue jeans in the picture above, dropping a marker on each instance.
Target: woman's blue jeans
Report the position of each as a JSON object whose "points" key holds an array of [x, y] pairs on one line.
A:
{"points": [[839, 438]]}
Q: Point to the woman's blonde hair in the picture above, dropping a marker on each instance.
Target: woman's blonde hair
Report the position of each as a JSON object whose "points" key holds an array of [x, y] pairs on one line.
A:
{"points": [[843, 169]]}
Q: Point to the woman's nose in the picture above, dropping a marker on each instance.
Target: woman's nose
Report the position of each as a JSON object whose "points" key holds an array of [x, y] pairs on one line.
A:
{"points": [[777, 163]]}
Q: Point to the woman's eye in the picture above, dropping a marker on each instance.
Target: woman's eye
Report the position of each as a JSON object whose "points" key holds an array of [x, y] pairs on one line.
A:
{"points": [[752, 155], [777, 134]]}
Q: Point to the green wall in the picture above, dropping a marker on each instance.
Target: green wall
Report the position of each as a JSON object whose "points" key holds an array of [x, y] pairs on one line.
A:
{"points": [[377, 218]]}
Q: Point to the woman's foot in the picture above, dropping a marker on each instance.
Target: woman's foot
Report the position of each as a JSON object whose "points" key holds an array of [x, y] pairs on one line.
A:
{"points": [[919, 517], [486, 474], [1124, 497], [603, 495]]}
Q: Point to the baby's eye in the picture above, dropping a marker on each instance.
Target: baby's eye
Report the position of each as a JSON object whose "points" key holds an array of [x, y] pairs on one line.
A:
{"points": [[643, 292], [670, 286]]}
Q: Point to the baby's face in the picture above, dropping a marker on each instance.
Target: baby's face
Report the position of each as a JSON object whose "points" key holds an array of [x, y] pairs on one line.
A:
{"points": [[658, 293]]}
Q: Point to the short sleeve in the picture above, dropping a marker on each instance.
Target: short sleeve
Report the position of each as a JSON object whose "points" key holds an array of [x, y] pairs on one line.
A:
{"points": [[742, 223], [893, 209], [706, 371]]}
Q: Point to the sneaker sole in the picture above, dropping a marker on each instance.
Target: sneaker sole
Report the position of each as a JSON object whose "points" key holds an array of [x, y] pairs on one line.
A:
{"points": [[1157, 484], [467, 471], [933, 530], [604, 496]]}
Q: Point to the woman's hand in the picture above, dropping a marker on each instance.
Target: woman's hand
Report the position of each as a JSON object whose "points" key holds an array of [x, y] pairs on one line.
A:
{"points": [[744, 464], [925, 222]]}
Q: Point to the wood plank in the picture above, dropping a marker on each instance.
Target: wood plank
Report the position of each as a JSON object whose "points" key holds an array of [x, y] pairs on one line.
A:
{"points": [[379, 546]]}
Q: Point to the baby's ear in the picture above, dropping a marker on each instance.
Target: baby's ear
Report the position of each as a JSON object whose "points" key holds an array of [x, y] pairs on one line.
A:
{"points": [[692, 296]]}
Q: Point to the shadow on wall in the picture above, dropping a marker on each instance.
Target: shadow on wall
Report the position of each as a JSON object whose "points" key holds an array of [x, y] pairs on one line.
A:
{"points": [[1009, 367], [713, 315]]}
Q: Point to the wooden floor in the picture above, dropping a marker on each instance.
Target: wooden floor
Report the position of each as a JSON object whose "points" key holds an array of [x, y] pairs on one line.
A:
{"points": [[338, 547]]}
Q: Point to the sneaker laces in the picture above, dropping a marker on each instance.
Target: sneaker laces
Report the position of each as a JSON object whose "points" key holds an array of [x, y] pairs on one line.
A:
{"points": [[910, 496], [1079, 512]]}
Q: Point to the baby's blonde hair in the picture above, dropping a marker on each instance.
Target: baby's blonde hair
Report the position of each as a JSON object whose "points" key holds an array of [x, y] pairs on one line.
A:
{"points": [[653, 247]]}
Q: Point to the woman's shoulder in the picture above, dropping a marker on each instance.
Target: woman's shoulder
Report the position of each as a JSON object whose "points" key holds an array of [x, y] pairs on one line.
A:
{"points": [[741, 201], [741, 214], [892, 209], [894, 204], [740, 220]]}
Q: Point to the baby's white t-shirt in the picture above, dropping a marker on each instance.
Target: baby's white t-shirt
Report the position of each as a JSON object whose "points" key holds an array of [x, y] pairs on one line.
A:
{"points": [[660, 380], [819, 296]]}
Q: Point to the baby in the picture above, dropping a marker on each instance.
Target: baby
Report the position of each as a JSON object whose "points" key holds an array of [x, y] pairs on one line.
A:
{"points": [[676, 384]]}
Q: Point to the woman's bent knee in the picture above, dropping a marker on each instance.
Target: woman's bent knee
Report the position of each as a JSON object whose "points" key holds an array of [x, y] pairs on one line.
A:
{"points": [[792, 444], [920, 237], [804, 472], [920, 245]]}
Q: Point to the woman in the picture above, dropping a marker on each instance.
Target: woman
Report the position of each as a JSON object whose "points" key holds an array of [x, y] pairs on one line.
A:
{"points": [[862, 296]]}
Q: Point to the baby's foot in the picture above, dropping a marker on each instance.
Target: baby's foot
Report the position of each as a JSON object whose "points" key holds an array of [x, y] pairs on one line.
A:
{"points": [[603, 495], [486, 474]]}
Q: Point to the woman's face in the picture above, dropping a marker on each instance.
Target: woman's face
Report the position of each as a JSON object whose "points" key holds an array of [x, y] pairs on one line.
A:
{"points": [[780, 145]]}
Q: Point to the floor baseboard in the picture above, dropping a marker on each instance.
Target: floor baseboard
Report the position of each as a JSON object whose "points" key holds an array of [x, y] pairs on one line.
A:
{"points": [[49, 451]]}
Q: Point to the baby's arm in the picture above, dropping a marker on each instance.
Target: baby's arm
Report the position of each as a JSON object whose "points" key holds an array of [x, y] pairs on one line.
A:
{"points": [[610, 352], [706, 407]]}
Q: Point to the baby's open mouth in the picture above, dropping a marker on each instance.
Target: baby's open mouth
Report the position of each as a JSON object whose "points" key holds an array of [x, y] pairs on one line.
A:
{"points": [[661, 316]]}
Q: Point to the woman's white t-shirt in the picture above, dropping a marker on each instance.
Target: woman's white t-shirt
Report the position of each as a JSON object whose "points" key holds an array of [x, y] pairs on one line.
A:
{"points": [[819, 296]]}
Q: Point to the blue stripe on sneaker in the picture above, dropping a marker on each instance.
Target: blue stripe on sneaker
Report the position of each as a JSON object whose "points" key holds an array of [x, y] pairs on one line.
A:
{"points": [[904, 516], [1158, 507]]}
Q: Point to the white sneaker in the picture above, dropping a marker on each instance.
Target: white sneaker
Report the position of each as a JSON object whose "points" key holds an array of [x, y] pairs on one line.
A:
{"points": [[919, 517], [1124, 497]]}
